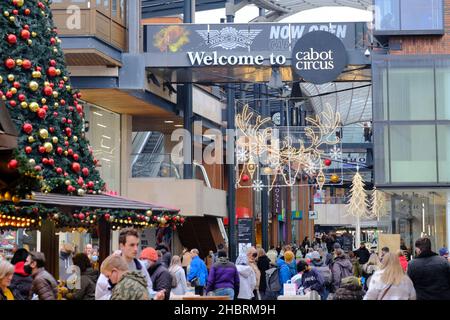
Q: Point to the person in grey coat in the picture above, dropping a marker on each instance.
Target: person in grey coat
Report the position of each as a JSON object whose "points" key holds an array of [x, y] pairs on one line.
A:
{"points": [[429, 273], [340, 268]]}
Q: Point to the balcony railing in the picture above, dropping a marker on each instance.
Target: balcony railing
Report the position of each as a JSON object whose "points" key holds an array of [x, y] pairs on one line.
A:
{"points": [[104, 19]]}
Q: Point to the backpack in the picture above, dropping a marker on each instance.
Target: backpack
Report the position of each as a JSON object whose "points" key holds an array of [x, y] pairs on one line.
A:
{"points": [[326, 274], [273, 279], [174, 279]]}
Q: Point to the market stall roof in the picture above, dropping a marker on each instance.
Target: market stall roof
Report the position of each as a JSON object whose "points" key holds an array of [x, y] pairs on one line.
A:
{"points": [[96, 201]]}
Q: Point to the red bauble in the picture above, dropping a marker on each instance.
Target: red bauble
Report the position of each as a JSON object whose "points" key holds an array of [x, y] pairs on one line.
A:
{"points": [[51, 129], [76, 167], [25, 34], [85, 171], [45, 107], [70, 109], [90, 184], [48, 91], [26, 64], [245, 178], [107, 216], [59, 150], [182, 220], [51, 71], [79, 108], [27, 128], [13, 164], [76, 157], [38, 69], [59, 170], [26, 27], [52, 63], [69, 121], [53, 41], [41, 113], [15, 12], [70, 152], [74, 215], [9, 95], [51, 162], [327, 162], [41, 5], [10, 63], [12, 103], [80, 181], [41, 149], [27, 12], [66, 174], [28, 149], [38, 168], [81, 216], [16, 84], [55, 114], [62, 102], [12, 39], [21, 97], [63, 120], [66, 143], [44, 160], [68, 132]]}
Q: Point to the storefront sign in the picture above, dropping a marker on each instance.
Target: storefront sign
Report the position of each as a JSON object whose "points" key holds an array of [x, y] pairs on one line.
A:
{"points": [[319, 57], [313, 215], [200, 45], [276, 201], [297, 215]]}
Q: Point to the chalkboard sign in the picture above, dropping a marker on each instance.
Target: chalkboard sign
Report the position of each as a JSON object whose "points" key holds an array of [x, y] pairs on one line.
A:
{"points": [[245, 230], [347, 243]]}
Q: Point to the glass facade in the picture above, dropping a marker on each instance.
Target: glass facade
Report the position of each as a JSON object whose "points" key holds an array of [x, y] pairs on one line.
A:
{"points": [[104, 138], [412, 120], [408, 15]]}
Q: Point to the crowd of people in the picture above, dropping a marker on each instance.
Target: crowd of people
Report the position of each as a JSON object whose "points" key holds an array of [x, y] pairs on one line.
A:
{"points": [[321, 267]]}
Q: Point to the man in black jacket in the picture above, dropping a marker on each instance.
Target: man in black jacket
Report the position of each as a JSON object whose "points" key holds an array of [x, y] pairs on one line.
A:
{"points": [[161, 277], [362, 253], [429, 273]]}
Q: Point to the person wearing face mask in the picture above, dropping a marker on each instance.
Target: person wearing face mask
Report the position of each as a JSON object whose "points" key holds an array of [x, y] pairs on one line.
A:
{"points": [[43, 285], [88, 278], [126, 284], [128, 244], [94, 260], [161, 277], [21, 281]]}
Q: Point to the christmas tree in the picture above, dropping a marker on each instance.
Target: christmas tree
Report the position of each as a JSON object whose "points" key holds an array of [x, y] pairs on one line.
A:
{"points": [[35, 85], [378, 204]]}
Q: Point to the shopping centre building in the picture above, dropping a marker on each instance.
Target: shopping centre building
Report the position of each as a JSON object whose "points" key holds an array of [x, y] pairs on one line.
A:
{"points": [[139, 91]]}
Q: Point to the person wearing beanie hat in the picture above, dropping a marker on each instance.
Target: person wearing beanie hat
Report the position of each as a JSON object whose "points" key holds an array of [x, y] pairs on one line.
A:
{"points": [[289, 257], [443, 252], [160, 275], [350, 289]]}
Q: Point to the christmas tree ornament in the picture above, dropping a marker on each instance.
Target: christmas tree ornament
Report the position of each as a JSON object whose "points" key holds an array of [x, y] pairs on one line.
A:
{"points": [[27, 128], [19, 62], [327, 162], [33, 86], [10, 63], [36, 74], [43, 133], [334, 178], [55, 140], [13, 164], [25, 34], [12, 39], [11, 78], [24, 105], [32, 162], [48, 147], [31, 139], [33, 106]]}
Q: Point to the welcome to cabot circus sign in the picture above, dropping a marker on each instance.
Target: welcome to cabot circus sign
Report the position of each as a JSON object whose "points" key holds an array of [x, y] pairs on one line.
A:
{"points": [[318, 53]]}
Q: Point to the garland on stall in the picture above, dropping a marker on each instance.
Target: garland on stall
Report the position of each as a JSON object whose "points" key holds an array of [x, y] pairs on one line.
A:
{"points": [[85, 219]]}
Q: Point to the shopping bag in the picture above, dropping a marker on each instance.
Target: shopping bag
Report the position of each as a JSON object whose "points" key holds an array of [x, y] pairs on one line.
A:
{"points": [[290, 289]]}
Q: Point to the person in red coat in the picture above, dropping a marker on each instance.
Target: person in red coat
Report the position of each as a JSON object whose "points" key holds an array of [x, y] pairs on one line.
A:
{"points": [[403, 260]]}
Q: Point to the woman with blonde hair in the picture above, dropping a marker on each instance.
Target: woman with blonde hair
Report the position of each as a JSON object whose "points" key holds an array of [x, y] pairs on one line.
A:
{"points": [[391, 282], [178, 277], [6, 275], [369, 268]]}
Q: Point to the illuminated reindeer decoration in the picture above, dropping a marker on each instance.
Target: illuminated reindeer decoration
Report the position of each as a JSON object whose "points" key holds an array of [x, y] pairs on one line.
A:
{"points": [[286, 159]]}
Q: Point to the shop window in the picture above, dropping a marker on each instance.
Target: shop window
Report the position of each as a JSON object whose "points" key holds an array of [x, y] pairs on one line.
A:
{"points": [[104, 137], [411, 94], [413, 153], [443, 132], [409, 16], [114, 8], [442, 90]]}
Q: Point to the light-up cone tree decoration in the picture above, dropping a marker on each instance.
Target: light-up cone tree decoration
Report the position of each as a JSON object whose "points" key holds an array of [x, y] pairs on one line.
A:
{"points": [[358, 203], [378, 204]]}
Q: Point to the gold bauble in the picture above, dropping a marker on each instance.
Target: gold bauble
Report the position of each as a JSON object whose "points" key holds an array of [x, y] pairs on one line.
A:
{"points": [[267, 170], [15, 199], [334, 178], [43, 133], [1, 79], [81, 192], [43, 101], [68, 88], [66, 153], [55, 50], [24, 105], [48, 147], [58, 72], [65, 78], [75, 138], [55, 94], [11, 77], [13, 90], [32, 162], [31, 139], [7, 196], [46, 84], [33, 85], [19, 62], [19, 3], [34, 34], [30, 42], [55, 140], [6, 13], [12, 19], [68, 183], [34, 106], [56, 104], [36, 74]]}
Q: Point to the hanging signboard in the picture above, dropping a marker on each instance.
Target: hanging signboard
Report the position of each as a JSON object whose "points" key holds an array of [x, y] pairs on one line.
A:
{"points": [[276, 200], [313, 215], [256, 44], [297, 215], [245, 234]]}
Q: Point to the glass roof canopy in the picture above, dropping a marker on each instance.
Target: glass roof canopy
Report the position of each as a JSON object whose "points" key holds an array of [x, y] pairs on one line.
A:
{"points": [[353, 100]]}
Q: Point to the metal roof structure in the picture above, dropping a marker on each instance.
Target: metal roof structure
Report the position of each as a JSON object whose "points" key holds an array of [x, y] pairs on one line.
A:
{"points": [[275, 9], [353, 100]]}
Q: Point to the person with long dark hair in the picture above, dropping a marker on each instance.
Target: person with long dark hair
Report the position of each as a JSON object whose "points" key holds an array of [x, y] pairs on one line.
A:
{"points": [[21, 281]]}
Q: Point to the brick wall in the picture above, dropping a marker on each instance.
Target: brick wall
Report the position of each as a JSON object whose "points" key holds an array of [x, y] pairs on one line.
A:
{"points": [[415, 45]]}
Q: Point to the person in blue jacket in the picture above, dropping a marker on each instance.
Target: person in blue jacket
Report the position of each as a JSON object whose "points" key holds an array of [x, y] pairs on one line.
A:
{"points": [[285, 270], [198, 273]]}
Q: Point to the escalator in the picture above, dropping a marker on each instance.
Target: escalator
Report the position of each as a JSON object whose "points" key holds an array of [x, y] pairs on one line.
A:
{"points": [[147, 154]]}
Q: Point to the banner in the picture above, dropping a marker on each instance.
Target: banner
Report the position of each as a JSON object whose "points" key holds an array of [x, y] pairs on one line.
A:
{"points": [[297, 215]]}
